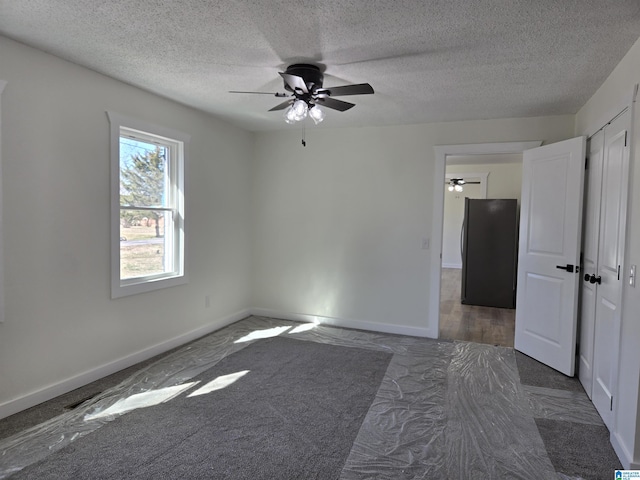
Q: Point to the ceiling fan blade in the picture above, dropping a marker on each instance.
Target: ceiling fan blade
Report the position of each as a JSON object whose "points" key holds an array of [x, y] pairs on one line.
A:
{"points": [[335, 104], [357, 89], [281, 106], [276, 94], [295, 82]]}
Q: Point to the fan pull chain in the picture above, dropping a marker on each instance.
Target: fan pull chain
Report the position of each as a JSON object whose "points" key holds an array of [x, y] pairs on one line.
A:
{"points": [[304, 131]]}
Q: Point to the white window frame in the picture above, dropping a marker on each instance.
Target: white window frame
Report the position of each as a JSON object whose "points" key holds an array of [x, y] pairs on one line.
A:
{"points": [[178, 143]]}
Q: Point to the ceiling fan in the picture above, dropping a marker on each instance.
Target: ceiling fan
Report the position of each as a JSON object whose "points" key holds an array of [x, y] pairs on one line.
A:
{"points": [[307, 95], [456, 184]]}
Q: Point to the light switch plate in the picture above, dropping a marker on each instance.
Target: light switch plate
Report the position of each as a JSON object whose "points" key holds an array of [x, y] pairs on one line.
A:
{"points": [[632, 276]]}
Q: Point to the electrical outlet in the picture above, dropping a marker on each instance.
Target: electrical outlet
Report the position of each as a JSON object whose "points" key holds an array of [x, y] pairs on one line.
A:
{"points": [[426, 243]]}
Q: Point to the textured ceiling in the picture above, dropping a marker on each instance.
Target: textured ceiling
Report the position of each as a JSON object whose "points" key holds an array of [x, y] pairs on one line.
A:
{"points": [[428, 60]]}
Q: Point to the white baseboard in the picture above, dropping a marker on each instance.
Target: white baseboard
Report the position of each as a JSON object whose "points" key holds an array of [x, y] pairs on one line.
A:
{"points": [[345, 323], [60, 388], [625, 456], [47, 393]]}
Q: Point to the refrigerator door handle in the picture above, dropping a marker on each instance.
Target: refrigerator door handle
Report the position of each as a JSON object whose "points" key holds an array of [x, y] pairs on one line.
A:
{"points": [[462, 241]]}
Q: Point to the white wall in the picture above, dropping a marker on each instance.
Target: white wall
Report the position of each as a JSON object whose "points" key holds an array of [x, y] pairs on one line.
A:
{"points": [[338, 225], [452, 219], [504, 180], [62, 329], [607, 101]]}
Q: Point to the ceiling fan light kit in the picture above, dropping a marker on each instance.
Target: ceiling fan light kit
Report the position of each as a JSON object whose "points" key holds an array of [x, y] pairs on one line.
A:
{"points": [[296, 112], [305, 82], [456, 184], [299, 110]]}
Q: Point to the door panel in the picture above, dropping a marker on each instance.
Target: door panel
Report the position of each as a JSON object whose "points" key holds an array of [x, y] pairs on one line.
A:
{"points": [[603, 382], [547, 326], [587, 332], [613, 179], [550, 232], [593, 190], [545, 235]]}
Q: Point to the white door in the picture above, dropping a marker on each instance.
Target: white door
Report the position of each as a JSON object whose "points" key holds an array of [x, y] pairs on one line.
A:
{"points": [[593, 189], [609, 277], [549, 252]]}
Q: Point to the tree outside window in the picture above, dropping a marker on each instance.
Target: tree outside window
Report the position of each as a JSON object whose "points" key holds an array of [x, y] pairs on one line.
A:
{"points": [[144, 186]]}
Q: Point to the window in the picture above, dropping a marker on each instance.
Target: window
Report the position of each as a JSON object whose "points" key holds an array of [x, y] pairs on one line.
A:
{"points": [[147, 206]]}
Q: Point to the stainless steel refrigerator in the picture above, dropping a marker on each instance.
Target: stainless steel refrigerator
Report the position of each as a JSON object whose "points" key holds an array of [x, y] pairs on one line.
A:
{"points": [[489, 241]]}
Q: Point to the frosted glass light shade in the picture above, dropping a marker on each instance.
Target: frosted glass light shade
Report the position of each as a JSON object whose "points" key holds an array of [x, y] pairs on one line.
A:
{"points": [[300, 110], [317, 114], [289, 116]]}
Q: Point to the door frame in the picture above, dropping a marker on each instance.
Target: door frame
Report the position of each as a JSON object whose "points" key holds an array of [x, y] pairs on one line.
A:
{"points": [[437, 218]]}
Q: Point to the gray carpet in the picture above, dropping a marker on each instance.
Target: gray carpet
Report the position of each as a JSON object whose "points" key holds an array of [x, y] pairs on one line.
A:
{"points": [[537, 374], [295, 415], [578, 449], [57, 406], [575, 448]]}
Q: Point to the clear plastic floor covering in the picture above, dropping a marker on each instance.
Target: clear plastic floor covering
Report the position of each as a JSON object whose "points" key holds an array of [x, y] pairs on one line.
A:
{"points": [[451, 410]]}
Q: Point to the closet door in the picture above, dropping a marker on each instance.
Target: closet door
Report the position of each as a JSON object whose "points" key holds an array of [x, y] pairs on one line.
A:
{"points": [[590, 238], [609, 276]]}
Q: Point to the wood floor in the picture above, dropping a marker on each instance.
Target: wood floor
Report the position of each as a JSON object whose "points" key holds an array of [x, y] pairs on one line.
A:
{"points": [[472, 323]]}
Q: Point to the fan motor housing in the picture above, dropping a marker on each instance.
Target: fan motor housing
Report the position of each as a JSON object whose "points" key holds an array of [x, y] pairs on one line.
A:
{"points": [[309, 73]]}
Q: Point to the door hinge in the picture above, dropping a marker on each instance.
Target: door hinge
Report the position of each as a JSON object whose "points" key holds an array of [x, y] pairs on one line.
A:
{"points": [[626, 134], [586, 163], [618, 272], [611, 406]]}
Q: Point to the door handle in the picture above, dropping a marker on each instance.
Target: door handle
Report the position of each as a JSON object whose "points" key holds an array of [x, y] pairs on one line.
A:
{"points": [[569, 268], [462, 241], [595, 279], [587, 277]]}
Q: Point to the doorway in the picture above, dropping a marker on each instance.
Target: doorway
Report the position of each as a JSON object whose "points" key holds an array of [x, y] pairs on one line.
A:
{"points": [[484, 177], [453, 154]]}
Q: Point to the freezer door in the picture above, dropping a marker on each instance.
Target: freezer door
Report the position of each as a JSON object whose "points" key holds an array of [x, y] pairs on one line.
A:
{"points": [[489, 252]]}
